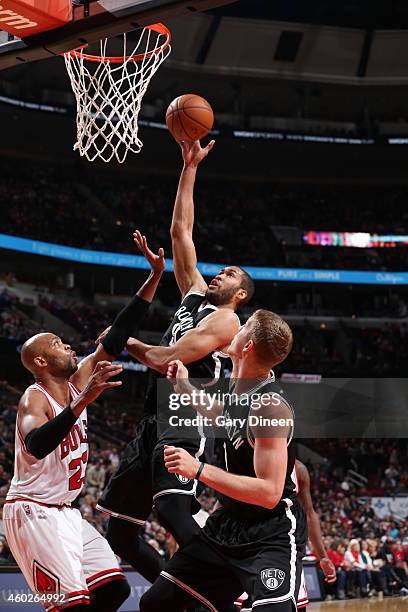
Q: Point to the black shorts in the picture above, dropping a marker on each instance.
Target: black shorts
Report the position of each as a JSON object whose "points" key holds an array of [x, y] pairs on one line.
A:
{"points": [[230, 556], [165, 483], [142, 476]]}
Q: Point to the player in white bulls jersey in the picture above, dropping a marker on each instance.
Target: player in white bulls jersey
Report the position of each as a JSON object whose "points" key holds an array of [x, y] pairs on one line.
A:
{"points": [[62, 556]]}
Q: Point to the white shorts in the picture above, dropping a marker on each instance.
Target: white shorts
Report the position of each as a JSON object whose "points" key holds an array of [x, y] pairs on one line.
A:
{"points": [[302, 599], [58, 552]]}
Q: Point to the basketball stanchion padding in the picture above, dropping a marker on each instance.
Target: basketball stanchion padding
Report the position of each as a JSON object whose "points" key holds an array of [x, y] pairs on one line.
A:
{"points": [[109, 90]]}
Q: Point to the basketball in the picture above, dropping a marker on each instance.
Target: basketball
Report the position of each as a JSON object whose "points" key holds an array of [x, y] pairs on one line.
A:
{"points": [[189, 117]]}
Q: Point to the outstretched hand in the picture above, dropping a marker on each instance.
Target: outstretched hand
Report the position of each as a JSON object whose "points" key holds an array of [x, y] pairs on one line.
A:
{"points": [[193, 152], [156, 261]]}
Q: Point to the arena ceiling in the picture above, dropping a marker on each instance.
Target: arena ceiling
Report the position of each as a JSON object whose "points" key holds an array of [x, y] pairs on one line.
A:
{"points": [[380, 14]]}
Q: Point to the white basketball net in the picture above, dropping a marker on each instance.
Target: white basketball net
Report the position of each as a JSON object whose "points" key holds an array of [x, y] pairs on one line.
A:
{"points": [[109, 92]]}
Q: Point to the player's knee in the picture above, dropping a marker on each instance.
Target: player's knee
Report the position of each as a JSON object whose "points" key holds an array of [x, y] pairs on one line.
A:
{"points": [[120, 592], [174, 513], [120, 534], [110, 596]]}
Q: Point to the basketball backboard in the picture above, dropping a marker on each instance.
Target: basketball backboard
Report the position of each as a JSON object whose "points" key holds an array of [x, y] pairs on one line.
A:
{"points": [[91, 21]]}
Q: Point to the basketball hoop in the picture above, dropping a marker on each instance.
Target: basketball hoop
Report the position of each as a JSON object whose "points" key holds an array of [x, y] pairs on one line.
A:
{"points": [[109, 90]]}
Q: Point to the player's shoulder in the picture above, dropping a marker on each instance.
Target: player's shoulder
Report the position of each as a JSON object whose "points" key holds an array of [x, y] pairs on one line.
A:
{"points": [[270, 416], [273, 404], [194, 295], [32, 399], [222, 322], [227, 315]]}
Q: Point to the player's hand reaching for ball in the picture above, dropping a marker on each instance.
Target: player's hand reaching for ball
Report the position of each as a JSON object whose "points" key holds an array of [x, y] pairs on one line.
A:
{"points": [[156, 261], [179, 461], [328, 570], [177, 374], [98, 382], [194, 153]]}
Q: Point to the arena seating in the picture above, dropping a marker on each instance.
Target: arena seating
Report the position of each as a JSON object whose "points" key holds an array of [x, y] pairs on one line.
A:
{"points": [[100, 212]]}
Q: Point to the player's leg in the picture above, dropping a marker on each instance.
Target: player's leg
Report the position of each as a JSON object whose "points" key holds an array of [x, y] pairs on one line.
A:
{"points": [[272, 571], [195, 575], [165, 595], [128, 499], [125, 539], [174, 513], [106, 582], [50, 564], [109, 597], [175, 497]]}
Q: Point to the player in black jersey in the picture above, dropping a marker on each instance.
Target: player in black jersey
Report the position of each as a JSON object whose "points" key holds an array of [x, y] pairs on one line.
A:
{"points": [[315, 538], [202, 327], [256, 540]]}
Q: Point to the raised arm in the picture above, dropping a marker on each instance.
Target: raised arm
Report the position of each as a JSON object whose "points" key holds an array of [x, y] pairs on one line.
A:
{"points": [[313, 522], [184, 254], [215, 332], [129, 318]]}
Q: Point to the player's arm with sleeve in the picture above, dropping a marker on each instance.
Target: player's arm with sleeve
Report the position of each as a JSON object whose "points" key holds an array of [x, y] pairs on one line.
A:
{"points": [[214, 332], [41, 431], [270, 464], [313, 522], [184, 254], [129, 318]]}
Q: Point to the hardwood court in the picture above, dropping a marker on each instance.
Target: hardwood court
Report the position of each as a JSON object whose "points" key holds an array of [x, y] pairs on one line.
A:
{"points": [[389, 604]]}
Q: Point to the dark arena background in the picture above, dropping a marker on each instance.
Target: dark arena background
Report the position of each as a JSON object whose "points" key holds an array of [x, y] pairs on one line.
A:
{"points": [[306, 188]]}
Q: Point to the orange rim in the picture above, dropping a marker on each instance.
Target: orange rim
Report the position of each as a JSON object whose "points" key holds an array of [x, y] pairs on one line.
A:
{"points": [[160, 28]]}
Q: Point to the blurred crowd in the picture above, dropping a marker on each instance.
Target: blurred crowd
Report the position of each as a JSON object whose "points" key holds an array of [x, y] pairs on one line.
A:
{"points": [[370, 553], [383, 463], [360, 351], [340, 351], [234, 220], [13, 323], [368, 567]]}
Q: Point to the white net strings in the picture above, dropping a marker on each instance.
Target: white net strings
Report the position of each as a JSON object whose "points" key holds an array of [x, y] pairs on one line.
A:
{"points": [[109, 96]]}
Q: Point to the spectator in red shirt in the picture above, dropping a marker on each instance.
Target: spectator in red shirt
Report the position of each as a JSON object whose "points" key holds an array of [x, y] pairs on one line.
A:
{"points": [[400, 561], [336, 556]]}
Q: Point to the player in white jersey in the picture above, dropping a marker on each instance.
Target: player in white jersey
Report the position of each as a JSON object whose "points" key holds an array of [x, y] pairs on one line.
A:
{"points": [[63, 558]]}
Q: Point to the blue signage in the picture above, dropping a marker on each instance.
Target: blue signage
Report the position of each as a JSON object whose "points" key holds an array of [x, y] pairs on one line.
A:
{"points": [[123, 260]]}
